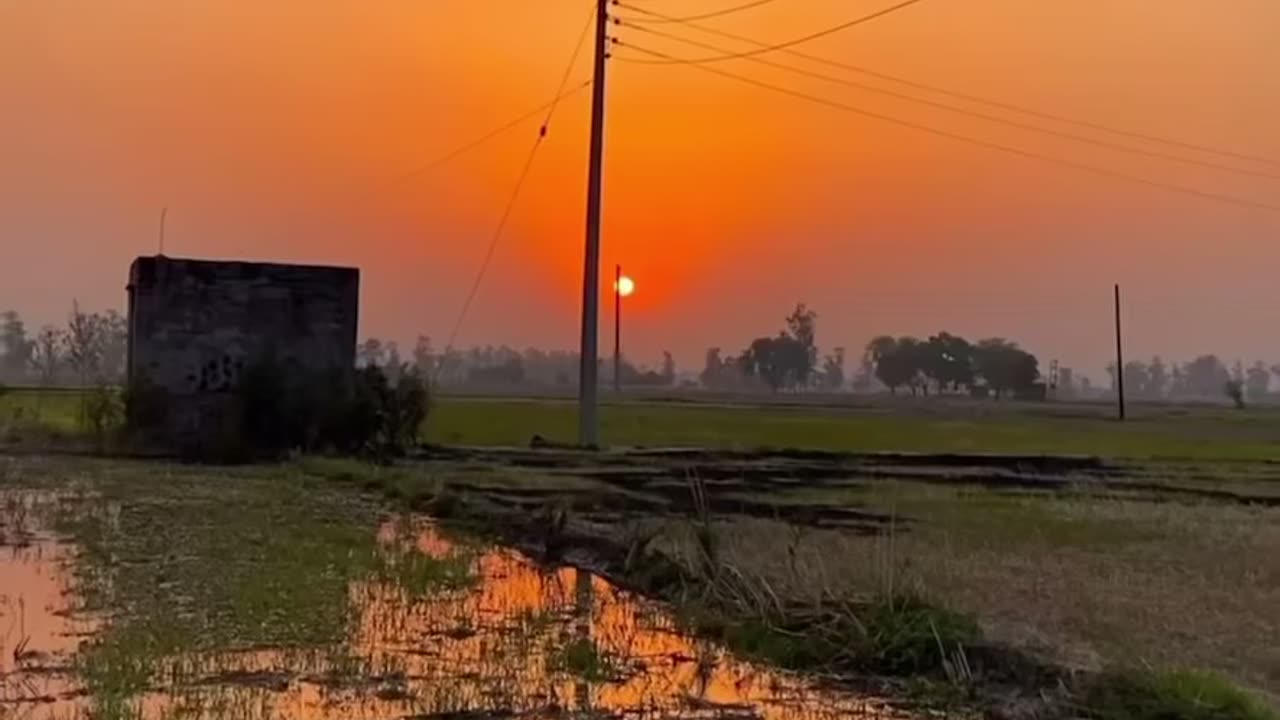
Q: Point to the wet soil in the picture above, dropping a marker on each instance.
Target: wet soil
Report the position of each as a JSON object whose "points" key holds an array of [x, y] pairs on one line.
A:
{"points": [[763, 483]]}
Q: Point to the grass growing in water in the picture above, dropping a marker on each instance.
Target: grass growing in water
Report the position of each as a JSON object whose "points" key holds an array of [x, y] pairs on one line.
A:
{"points": [[582, 659], [188, 564]]}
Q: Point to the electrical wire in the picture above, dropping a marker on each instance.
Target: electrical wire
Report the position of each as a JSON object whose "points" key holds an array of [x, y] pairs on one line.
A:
{"points": [[513, 124], [779, 46], [709, 15], [968, 97], [1008, 149], [511, 201], [1108, 144]]}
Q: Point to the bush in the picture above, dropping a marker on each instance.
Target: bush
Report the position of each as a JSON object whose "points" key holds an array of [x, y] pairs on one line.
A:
{"points": [[1145, 695], [146, 405], [1234, 389], [908, 635], [366, 414], [102, 412]]}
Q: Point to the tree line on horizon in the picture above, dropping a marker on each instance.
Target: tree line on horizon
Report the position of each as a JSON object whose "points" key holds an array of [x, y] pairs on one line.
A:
{"points": [[942, 363], [502, 366], [1204, 377], [91, 348]]}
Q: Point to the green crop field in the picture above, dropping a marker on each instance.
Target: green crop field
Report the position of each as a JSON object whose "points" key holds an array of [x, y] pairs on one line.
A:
{"points": [[1192, 432], [855, 425]]}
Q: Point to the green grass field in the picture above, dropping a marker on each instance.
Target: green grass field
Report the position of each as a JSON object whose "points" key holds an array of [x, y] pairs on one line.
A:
{"points": [[876, 424], [1200, 433]]}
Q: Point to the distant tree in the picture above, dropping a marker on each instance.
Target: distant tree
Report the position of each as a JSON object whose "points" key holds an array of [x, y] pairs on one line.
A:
{"points": [[778, 361], [914, 355], [1258, 381], [1157, 378], [802, 325], [393, 365], [451, 368], [894, 360], [1234, 389], [424, 358], [668, 368], [46, 354], [85, 344], [948, 361], [763, 359], [863, 380], [833, 370], [15, 348], [1067, 387], [503, 369], [712, 368], [1205, 376], [1136, 379], [371, 353], [115, 345], [1178, 381], [1004, 366]]}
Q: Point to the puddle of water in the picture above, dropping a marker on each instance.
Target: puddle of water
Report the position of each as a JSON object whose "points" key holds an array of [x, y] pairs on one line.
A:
{"points": [[38, 632], [521, 641]]}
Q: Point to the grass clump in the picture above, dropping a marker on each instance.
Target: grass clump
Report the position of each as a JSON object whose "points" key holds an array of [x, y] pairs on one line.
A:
{"points": [[894, 636], [581, 658], [421, 575], [1176, 695], [909, 635]]}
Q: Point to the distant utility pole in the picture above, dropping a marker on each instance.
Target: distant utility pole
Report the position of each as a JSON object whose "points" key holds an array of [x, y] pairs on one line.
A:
{"points": [[617, 330], [1119, 360], [163, 213], [588, 426]]}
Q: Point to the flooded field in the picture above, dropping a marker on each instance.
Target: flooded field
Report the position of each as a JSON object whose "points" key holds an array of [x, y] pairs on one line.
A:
{"points": [[445, 629]]}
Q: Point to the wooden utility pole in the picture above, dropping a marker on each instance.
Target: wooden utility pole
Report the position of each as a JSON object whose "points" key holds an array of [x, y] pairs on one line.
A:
{"points": [[1119, 360], [588, 425]]}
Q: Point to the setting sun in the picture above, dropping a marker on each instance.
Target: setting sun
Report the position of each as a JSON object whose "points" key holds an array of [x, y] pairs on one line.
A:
{"points": [[625, 286]]}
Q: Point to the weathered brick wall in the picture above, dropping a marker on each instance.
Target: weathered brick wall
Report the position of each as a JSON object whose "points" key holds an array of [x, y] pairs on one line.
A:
{"points": [[194, 326]]}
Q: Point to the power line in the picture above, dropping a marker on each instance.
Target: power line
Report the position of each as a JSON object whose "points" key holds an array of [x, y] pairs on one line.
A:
{"points": [[1111, 145], [515, 195], [709, 15], [1106, 172], [779, 46], [493, 246], [514, 123], [968, 97], [564, 79]]}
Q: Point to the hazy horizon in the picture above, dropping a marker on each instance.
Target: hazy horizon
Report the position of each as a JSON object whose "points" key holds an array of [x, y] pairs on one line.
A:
{"points": [[277, 132]]}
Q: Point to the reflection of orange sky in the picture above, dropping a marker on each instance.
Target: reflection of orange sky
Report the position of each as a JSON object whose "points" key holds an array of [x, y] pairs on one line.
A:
{"points": [[264, 126], [489, 648]]}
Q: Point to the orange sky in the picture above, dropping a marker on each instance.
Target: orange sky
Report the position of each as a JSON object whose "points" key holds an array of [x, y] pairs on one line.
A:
{"points": [[275, 131]]}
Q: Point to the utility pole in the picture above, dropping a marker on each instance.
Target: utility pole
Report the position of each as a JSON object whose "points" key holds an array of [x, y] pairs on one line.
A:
{"points": [[588, 426], [617, 330], [163, 212], [1119, 360]]}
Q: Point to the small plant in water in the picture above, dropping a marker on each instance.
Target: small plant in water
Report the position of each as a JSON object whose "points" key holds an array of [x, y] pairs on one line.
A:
{"points": [[421, 575], [581, 658]]}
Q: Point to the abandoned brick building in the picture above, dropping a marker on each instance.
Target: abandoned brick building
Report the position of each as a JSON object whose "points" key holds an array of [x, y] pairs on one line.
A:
{"points": [[196, 325]]}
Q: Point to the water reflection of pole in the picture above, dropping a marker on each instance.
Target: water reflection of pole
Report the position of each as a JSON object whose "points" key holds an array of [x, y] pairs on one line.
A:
{"points": [[582, 603]]}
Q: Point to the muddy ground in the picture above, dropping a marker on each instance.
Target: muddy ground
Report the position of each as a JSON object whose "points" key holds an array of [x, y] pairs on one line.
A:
{"points": [[770, 484]]}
